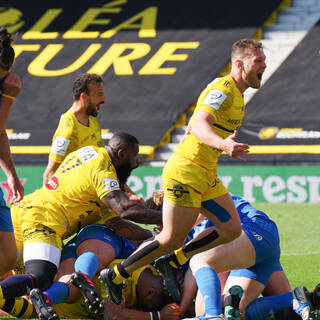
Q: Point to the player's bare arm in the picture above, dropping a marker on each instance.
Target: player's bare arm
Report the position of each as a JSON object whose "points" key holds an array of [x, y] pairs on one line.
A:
{"points": [[10, 89], [132, 195], [50, 170], [121, 312], [128, 230], [125, 208], [202, 128], [7, 165]]}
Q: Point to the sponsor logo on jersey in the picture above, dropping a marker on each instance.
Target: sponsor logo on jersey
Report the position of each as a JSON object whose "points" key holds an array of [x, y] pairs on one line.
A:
{"points": [[214, 99], [60, 146], [234, 121], [111, 184], [257, 236], [53, 184], [87, 154], [178, 191]]}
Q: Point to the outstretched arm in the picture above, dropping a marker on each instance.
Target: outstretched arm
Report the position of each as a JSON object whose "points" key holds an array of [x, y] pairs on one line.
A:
{"points": [[202, 128], [128, 230], [125, 208]]}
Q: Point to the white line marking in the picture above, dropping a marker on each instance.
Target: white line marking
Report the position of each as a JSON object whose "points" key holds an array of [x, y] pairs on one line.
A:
{"points": [[315, 253]]}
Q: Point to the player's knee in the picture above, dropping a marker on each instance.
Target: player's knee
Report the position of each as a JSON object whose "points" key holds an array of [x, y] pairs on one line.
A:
{"points": [[42, 273], [232, 233], [236, 233], [198, 261], [171, 244]]}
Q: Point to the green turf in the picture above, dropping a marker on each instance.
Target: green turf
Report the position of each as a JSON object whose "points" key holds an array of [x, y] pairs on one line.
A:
{"points": [[298, 226]]}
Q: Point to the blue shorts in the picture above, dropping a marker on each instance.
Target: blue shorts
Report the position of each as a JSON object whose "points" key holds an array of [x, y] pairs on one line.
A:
{"points": [[264, 236], [5, 215], [122, 246]]}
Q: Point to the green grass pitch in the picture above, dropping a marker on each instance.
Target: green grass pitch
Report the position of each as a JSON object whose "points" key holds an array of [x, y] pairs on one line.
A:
{"points": [[299, 227]]}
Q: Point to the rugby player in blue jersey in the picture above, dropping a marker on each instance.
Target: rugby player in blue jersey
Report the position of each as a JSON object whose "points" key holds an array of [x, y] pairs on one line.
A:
{"points": [[253, 258]]}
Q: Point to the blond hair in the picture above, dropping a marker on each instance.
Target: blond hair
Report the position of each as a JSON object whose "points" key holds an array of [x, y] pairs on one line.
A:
{"points": [[240, 47]]}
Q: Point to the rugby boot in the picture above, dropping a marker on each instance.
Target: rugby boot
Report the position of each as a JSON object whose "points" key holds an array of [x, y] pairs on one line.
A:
{"points": [[91, 295], [114, 290], [169, 276], [302, 304], [42, 305], [231, 304]]}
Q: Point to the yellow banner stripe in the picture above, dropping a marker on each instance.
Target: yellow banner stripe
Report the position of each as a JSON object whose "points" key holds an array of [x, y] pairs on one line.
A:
{"points": [[313, 149], [46, 149]]}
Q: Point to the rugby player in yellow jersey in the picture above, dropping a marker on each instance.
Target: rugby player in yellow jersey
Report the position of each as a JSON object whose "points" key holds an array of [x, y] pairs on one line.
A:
{"points": [[78, 127], [190, 175], [85, 188]]}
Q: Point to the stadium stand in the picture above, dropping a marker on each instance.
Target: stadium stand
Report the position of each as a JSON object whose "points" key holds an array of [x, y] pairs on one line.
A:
{"points": [[153, 68]]}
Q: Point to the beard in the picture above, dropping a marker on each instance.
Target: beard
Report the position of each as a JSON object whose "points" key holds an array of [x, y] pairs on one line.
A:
{"points": [[91, 110], [123, 173]]}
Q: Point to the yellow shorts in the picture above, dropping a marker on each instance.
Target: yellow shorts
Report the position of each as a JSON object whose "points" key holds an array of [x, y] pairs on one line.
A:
{"points": [[32, 222], [187, 185]]}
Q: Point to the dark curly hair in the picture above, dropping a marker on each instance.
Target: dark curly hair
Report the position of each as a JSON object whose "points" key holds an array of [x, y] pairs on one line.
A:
{"points": [[6, 51], [81, 84]]}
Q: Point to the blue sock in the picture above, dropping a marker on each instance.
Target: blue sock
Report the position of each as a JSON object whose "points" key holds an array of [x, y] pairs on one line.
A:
{"points": [[262, 308], [58, 292], [87, 263], [210, 288]]}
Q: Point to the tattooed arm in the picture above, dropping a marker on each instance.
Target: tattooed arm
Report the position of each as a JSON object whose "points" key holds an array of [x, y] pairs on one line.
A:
{"points": [[127, 229], [125, 208]]}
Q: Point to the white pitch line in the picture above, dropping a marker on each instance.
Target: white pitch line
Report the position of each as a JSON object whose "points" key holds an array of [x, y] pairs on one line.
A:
{"points": [[315, 253]]}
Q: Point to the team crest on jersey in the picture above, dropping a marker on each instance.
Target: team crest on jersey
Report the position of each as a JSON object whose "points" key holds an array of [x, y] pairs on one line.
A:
{"points": [[111, 184], [214, 99], [60, 146], [87, 154]]}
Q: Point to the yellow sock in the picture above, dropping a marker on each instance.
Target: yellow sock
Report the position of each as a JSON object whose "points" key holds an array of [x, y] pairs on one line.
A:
{"points": [[17, 307], [1, 293], [118, 278], [181, 257]]}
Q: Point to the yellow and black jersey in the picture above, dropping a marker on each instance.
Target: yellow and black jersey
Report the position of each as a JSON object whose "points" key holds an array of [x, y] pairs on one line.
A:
{"points": [[72, 135], [223, 100], [72, 197]]}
